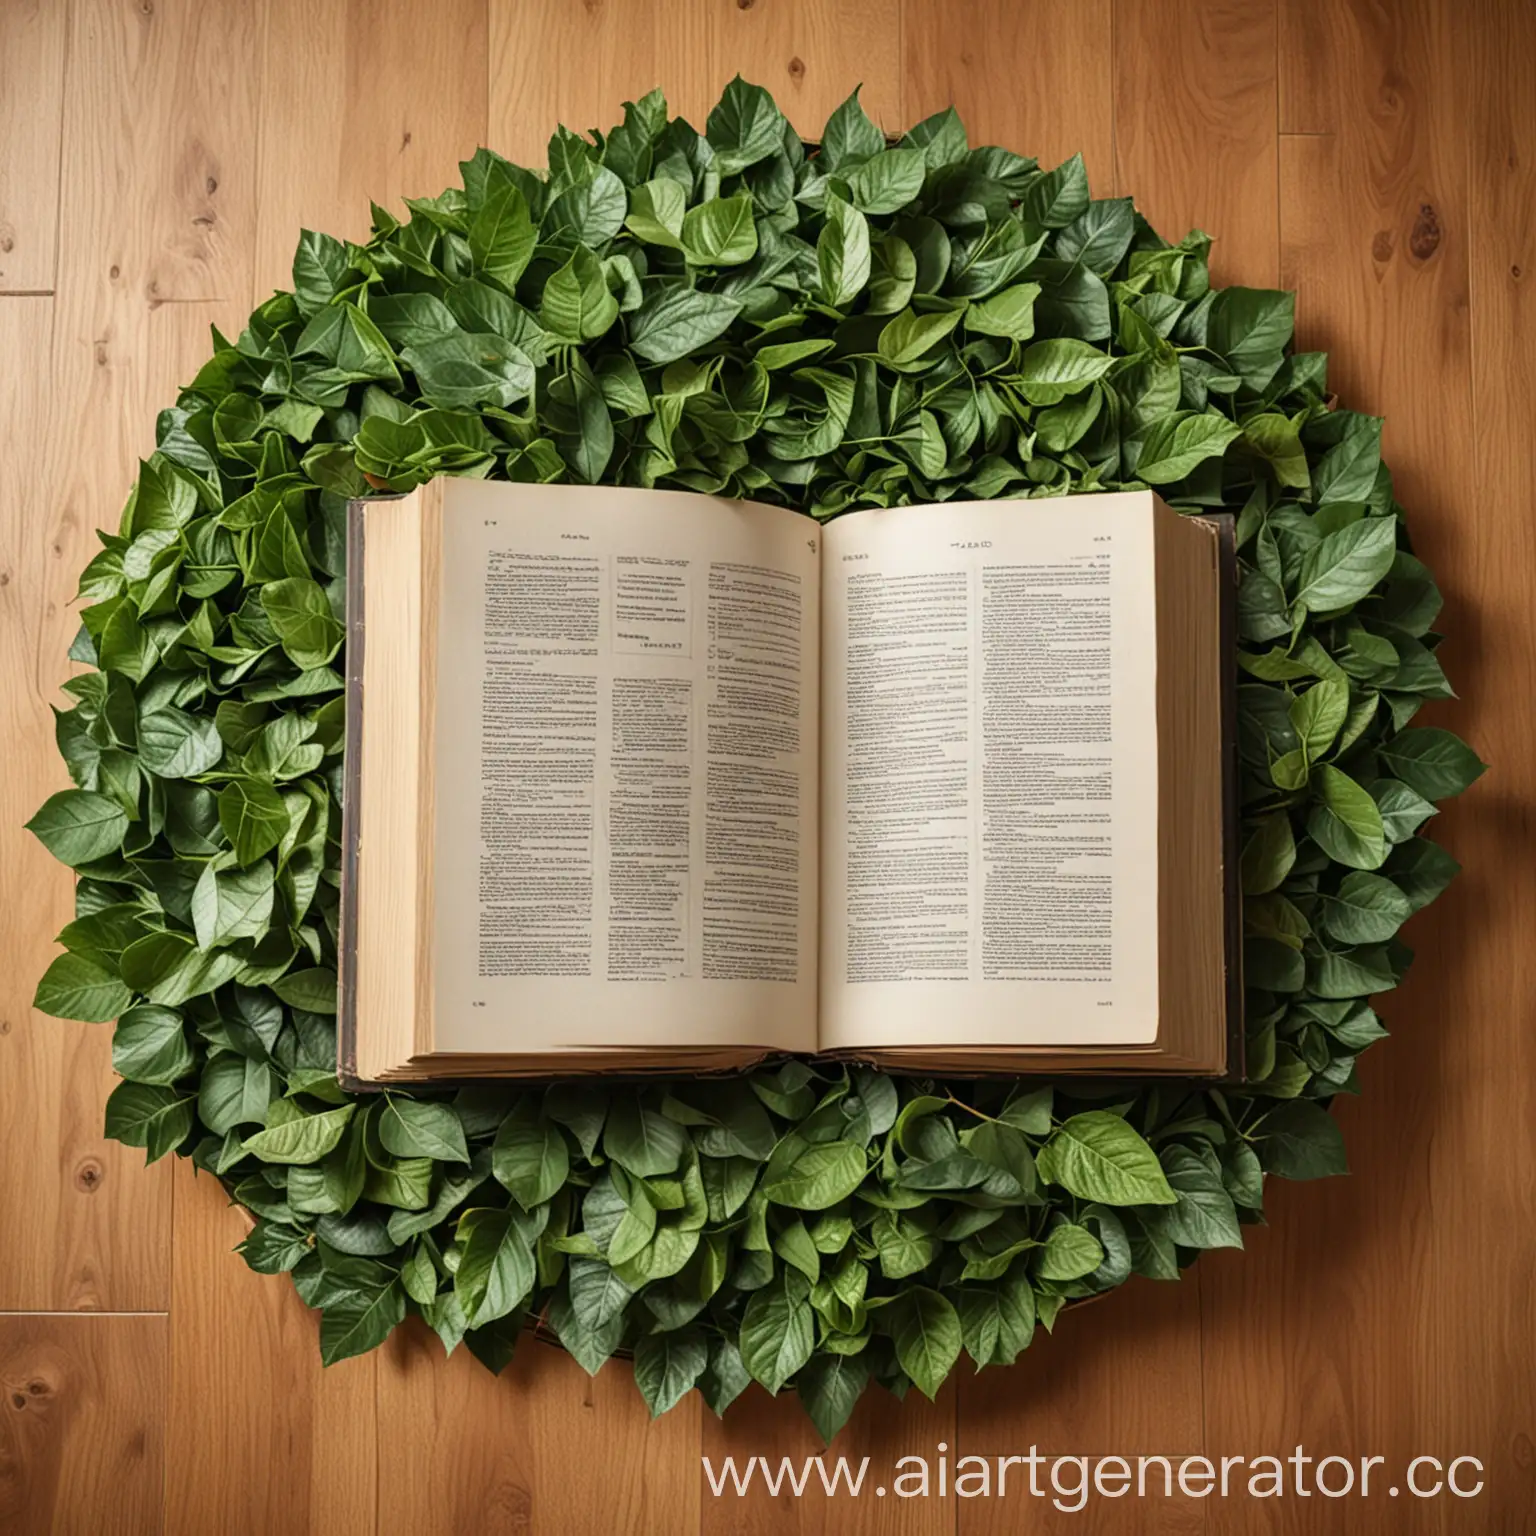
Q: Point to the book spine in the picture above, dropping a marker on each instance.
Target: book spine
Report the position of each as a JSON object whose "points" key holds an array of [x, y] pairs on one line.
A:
{"points": [[1231, 828], [352, 761]]}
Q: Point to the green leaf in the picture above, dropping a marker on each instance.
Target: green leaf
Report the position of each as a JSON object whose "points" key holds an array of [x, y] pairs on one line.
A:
{"points": [[78, 826], [940, 137], [358, 1322], [301, 1141], [667, 1365], [577, 305], [1099, 236], [232, 904], [418, 1276], [1301, 1140], [656, 212], [997, 1322], [319, 265], [887, 181], [674, 322], [926, 1330], [829, 1387], [253, 817], [1098, 1156], [1433, 762], [1055, 198], [1052, 370], [496, 1272], [1268, 855], [143, 1115], [175, 745], [778, 1330], [1276, 439], [81, 987], [1010, 313], [418, 1128], [467, 369], [301, 614], [1318, 714], [1175, 445], [849, 137], [819, 1177], [745, 127], [908, 336], [725, 1378], [150, 1045], [313, 990], [1250, 328], [1348, 469], [1366, 909], [1342, 568], [1347, 824], [721, 232], [530, 1158], [1204, 1216], [842, 253], [501, 234], [640, 1140], [1070, 1252]]}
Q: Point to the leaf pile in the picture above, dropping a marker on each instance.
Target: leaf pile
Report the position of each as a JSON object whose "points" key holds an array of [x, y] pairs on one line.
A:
{"points": [[852, 324]]}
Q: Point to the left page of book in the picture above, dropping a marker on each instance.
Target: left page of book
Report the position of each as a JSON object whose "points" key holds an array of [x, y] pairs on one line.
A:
{"points": [[626, 751]]}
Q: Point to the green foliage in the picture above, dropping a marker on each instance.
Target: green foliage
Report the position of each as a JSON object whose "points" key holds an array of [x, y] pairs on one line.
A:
{"points": [[858, 324]]}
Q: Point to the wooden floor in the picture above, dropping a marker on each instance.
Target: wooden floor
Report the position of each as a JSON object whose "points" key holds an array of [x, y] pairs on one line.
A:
{"points": [[157, 159]]}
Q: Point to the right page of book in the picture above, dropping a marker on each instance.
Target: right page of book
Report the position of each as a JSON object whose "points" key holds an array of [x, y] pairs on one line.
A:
{"points": [[989, 775]]}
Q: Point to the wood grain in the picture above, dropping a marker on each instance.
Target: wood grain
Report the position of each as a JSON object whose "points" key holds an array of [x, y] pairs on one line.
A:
{"points": [[248, 1395], [1195, 126], [81, 1416], [881, 1431], [1377, 158], [576, 65], [1067, 1395], [1376, 229], [31, 99], [1488, 1303], [364, 100], [1036, 76], [553, 1451], [811, 53], [158, 124]]}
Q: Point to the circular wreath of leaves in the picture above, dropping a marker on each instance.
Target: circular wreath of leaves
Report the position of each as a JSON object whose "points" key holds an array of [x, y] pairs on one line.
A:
{"points": [[851, 324]]}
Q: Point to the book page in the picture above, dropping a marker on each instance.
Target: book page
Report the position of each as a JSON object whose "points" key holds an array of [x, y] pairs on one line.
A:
{"points": [[626, 771], [989, 775]]}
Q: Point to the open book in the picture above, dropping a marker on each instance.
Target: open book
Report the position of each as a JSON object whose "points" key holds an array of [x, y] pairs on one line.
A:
{"points": [[652, 780]]}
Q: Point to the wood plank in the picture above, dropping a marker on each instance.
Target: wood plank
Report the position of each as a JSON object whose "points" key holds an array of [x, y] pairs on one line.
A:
{"points": [[1488, 560], [259, 1436], [542, 1447], [362, 100], [1119, 1377], [31, 98], [881, 1431], [1315, 62], [1036, 76], [82, 1424], [1195, 126], [154, 238], [576, 65], [59, 1178], [1365, 1286], [811, 54]]}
